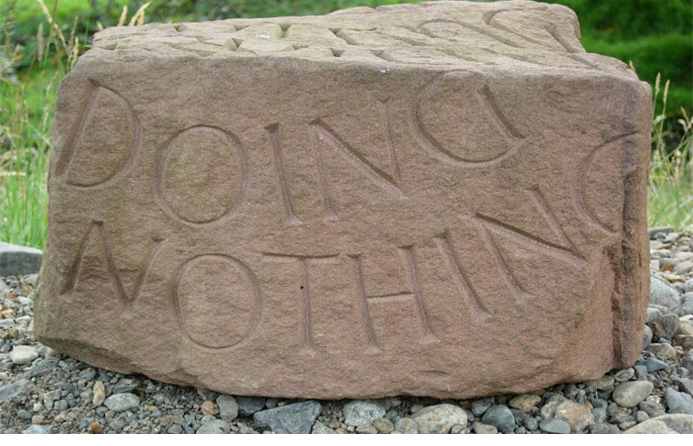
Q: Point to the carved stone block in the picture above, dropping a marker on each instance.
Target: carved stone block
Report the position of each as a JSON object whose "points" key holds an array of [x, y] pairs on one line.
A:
{"points": [[445, 199]]}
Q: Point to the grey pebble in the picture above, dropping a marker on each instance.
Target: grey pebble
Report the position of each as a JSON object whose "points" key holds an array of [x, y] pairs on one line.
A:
{"points": [[661, 293], [271, 403], [629, 394], [23, 354], [15, 389], [684, 384], [214, 427], [36, 429], [480, 406], [125, 385], [228, 407], [624, 374], [678, 402], [641, 416], [122, 401], [358, 412], [60, 405], [652, 314], [531, 424], [441, 417], [484, 429], [3, 288], [501, 418], [641, 372], [18, 260], [599, 414], [687, 363], [604, 428], [383, 425], [297, 418], [406, 426], [554, 426], [687, 302], [248, 405], [653, 410], [688, 286], [646, 337], [321, 429], [666, 325], [654, 364]]}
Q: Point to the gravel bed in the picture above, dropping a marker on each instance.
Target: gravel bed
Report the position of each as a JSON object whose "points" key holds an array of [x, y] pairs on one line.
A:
{"points": [[42, 391]]}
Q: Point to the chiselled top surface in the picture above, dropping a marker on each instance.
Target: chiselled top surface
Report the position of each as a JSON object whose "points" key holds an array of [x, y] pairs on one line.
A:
{"points": [[514, 33]]}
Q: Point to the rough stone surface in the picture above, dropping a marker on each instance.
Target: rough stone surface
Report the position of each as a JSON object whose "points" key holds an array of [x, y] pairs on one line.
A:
{"points": [[295, 418], [58, 392], [19, 260], [430, 419], [359, 205]]}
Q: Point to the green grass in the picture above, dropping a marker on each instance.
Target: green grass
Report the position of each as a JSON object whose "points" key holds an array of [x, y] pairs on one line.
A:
{"points": [[31, 68], [670, 198], [23, 194]]}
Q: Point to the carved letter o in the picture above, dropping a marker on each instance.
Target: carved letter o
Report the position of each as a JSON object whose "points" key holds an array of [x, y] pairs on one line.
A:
{"points": [[218, 300]]}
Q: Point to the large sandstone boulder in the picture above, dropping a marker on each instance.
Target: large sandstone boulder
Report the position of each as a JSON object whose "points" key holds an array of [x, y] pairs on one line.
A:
{"points": [[445, 199]]}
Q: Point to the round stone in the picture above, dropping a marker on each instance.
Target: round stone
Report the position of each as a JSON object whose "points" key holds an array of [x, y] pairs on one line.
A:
{"points": [[228, 407], [578, 416], [624, 374], [525, 402], [662, 351], [665, 424], [501, 418], [606, 382], [362, 411], [481, 428], [554, 426], [406, 426], [214, 427], [383, 425], [36, 429], [629, 394], [432, 419], [663, 294], [121, 402], [23, 354]]}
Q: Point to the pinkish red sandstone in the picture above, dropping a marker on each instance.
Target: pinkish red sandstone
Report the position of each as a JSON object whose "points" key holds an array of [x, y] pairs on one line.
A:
{"points": [[445, 199]]}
